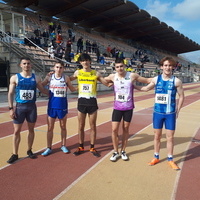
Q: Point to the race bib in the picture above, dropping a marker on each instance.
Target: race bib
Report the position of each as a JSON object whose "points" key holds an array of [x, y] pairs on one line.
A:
{"points": [[59, 92], [162, 98], [121, 97], [26, 94], [86, 88]]}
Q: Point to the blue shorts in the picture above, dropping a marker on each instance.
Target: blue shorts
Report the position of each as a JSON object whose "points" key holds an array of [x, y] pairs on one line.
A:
{"points": [[57, 113], [26, 111], [161, 118]]}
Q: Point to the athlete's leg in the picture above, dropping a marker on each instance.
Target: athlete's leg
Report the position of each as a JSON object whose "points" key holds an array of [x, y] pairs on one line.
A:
{"points": [[170, 141], [81, 126], [92, 121], [50, 123], [157, 138], [31, 134], [125, 127], [115, 136], [16, 137], [63, 128]]}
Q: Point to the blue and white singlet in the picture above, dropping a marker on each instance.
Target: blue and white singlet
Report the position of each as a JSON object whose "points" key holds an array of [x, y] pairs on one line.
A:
{"points": [[58, 93], [165, 98]]}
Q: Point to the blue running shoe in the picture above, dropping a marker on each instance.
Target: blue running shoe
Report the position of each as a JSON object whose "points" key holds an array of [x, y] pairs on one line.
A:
{"points": [[46, 152], [65, 149]]}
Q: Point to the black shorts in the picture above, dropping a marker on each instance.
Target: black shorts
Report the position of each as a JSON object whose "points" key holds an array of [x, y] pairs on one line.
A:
{"points": [[117, 115], [26, 111], [87, 105]]}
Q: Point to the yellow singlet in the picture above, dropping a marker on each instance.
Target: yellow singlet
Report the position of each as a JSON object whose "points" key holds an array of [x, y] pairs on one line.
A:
{"points": [[87, 84]]}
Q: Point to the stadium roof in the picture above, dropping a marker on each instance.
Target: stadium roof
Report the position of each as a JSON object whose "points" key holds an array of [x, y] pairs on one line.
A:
{"points": [[119, 18]]}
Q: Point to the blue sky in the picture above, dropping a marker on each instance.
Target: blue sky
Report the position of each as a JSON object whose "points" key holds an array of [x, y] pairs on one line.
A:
{"points": [[182, 15]]}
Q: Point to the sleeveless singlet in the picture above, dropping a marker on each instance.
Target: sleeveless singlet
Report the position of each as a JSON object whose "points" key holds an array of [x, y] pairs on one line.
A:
{"points": [[25, 89], [165, 98], [58, 93], [123, 88], [87, 84]]}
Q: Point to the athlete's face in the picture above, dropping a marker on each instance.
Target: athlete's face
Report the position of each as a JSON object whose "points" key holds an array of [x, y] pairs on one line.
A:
{"points": [[167, 67], [25, 65], [85, 64], [120, 68], [58, 68]]}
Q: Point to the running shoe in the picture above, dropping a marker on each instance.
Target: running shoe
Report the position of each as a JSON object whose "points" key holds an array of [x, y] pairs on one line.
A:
{"points": [[46, 152], [79, 151], [12, 159], [124, 156], [115, 157], [94, 152], [153, 161], [31, 155], [173, 165], [65, 149]]}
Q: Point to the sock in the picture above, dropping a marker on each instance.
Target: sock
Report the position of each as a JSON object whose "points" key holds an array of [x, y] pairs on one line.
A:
{"points": [[169, 157], [156, 155], [81, 145], [92, 146]]}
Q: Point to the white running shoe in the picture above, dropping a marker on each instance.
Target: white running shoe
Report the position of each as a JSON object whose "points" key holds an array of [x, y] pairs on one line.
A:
{"points": [[124, 156], [114, 157]]}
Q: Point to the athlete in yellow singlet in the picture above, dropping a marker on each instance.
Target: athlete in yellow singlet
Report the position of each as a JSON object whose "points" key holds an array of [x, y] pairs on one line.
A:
{"points": [[87, 103]]}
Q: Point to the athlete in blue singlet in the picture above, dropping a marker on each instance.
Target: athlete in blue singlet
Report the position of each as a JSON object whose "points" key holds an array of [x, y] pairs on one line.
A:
{"points": [[57, 105], [24, 84], [165, 109]]}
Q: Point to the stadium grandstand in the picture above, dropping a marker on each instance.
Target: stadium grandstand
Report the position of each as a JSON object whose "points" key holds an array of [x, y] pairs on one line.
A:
{"points": [[48, 30]]}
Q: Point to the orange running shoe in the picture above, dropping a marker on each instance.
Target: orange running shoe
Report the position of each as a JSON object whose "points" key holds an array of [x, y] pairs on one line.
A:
{"points": [[173, 165], [153, 161], [79, 151], [94, 152]]}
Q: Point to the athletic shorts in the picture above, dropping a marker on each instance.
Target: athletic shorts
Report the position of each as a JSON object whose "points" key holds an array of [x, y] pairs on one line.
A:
{"points": [[118, 115], [87, 105], [168, 119], [26, 111], [57, 113]]}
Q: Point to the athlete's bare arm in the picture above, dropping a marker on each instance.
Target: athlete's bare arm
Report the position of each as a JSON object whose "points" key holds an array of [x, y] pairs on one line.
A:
{"points": [[69, 84]]}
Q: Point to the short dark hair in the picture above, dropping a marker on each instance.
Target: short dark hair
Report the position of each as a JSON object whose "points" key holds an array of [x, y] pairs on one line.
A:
{"points": [[24, 58], [59, 62], [84, 57], [119, 60]]}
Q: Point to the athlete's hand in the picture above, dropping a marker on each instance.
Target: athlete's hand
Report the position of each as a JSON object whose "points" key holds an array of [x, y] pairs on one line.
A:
{"points": [[12, 114]]}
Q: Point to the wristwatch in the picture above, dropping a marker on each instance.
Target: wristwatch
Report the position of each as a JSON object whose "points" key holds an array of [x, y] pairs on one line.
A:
{"points": [[10, 108]]}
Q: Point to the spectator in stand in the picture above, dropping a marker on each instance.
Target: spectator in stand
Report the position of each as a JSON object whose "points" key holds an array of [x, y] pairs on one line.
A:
{"points": [[80, 45], [53, 38], [113, 52], [59, 38], [45, 36], [70, 33], [37, 41], [59, 29], [108, 50], [73, 36], [50, 27], [88, 46], [59, 52], [94, 47], [102, 59], [69, 45], [98, 54], [51, 51], [37, 32]]}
